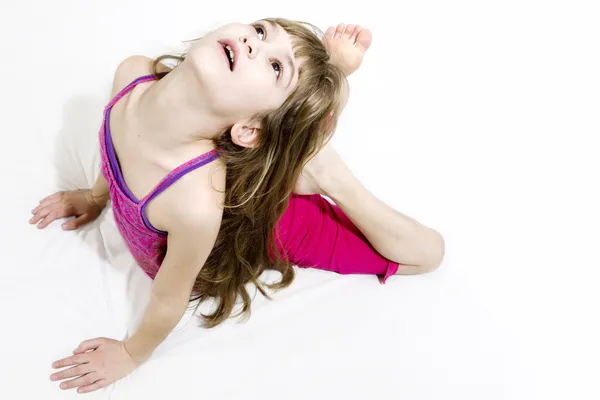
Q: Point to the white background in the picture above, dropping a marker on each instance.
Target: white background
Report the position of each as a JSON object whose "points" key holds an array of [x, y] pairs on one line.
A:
{"points": [[477, 118]]}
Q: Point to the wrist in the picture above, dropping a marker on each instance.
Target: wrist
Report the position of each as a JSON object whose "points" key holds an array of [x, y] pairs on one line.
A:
{"points": [[135, 352], [98, 200]]}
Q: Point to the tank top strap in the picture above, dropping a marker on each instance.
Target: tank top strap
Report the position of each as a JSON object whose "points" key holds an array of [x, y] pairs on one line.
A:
{"points": [[131, 85], [179, 172]]}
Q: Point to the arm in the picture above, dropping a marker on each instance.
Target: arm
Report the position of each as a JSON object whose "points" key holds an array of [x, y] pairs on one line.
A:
{"points": [[127, 70], [98, 362], [99, 194], [192, 234], [85, 205]]}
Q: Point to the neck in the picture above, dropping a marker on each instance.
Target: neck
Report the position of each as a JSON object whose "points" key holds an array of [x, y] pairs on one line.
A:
{"points": [[172, 112]]}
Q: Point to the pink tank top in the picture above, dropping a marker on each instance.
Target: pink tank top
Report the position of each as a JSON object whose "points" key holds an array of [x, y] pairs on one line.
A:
{"points": [[147, 244]]}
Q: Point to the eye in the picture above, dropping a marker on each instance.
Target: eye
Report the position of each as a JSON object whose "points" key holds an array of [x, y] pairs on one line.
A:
{"points": [[260, 30], [278, 68]]}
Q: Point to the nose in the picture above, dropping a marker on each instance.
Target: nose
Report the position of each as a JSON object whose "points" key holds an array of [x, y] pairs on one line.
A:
{"points": [[250, 45]]}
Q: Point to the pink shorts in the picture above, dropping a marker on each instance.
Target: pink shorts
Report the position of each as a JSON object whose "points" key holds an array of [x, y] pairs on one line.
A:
{"points": [[313, 233]]}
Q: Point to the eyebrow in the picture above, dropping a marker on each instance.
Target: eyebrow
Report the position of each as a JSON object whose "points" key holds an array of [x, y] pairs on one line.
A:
{"points": [[287, 58]]}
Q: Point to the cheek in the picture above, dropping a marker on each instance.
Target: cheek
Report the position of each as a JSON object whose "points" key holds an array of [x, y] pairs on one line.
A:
{"points": [[258, 75], [259, 85]]}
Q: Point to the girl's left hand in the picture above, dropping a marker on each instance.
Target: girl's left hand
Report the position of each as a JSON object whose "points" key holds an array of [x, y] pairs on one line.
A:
{"points": [[107, 362]]}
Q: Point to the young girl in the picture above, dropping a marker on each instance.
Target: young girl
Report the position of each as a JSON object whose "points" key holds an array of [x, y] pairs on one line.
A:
{"points": [[257, 102]]}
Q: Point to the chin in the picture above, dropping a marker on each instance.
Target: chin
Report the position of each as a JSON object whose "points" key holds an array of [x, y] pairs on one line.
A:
{"points": [[204, 66]]}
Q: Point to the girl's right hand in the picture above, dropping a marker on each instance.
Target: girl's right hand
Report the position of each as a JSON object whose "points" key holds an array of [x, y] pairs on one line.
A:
{"points": [[75, 203]]}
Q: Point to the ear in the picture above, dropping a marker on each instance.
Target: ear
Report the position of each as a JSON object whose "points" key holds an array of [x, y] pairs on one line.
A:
{"points": [[244, 135]]}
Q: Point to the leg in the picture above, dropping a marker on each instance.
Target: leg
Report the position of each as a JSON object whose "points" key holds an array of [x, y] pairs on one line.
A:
{"points": [[314, 233]]}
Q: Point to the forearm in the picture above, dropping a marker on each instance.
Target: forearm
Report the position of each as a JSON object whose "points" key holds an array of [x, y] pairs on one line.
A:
{"points": [[159, 320], [393, 234]]}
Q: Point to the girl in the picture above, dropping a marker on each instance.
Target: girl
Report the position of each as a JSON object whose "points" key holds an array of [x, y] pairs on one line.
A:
{"points": [[257, 102]]}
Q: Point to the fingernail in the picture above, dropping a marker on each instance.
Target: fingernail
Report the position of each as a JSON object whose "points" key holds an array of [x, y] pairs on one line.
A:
{"points": [[62, 385]]}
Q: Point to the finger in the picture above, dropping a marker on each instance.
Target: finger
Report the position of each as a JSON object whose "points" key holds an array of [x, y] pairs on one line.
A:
{"points": [[47, 201], [50, 199], [102, 383], [73, 360], [86, 379], [77, 222], [51, 217], [44, 212], [339, 30], [349, 31], [356, 31], [329, 32], [78, 370], [86, 345]]}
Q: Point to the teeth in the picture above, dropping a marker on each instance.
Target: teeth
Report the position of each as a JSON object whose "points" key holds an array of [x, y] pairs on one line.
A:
{"points": [[230, 51]]}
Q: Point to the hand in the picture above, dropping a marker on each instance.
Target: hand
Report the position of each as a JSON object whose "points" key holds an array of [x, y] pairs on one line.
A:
{"points": [[347, 45], [75, 203], [107, 362], [322, 173]]}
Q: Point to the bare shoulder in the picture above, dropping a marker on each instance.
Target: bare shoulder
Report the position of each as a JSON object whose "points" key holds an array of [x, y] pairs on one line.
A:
{"points": [[194, 202], [191, 212], [132, 68]]}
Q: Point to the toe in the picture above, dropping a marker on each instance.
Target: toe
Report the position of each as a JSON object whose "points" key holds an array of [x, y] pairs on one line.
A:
{"points": [[364, 39], [340, 30], [355, 32], [349, 31], [329, 32]]}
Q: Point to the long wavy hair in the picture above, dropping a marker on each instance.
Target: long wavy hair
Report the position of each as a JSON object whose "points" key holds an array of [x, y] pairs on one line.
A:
{"points": [[259, 180]]}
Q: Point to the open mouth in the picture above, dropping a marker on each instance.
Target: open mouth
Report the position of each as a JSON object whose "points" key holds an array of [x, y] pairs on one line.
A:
{"points": [[230, 54]]}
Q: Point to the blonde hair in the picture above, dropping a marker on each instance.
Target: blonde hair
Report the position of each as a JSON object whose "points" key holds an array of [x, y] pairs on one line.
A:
{"points": [[260, 180]]}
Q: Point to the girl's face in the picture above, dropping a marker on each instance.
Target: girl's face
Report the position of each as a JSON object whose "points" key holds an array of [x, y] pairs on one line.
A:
{"points": [[245, 69]]}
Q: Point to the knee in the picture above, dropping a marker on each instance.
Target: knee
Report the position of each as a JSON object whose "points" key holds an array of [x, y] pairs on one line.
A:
{"points": [[438, 252]]}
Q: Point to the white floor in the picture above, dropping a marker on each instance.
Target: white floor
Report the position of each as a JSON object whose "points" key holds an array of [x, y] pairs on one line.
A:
{"points": [[478, 119]]}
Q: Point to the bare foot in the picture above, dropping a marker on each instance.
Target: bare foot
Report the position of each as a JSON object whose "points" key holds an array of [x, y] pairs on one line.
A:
{"points": [[347, 44]]}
